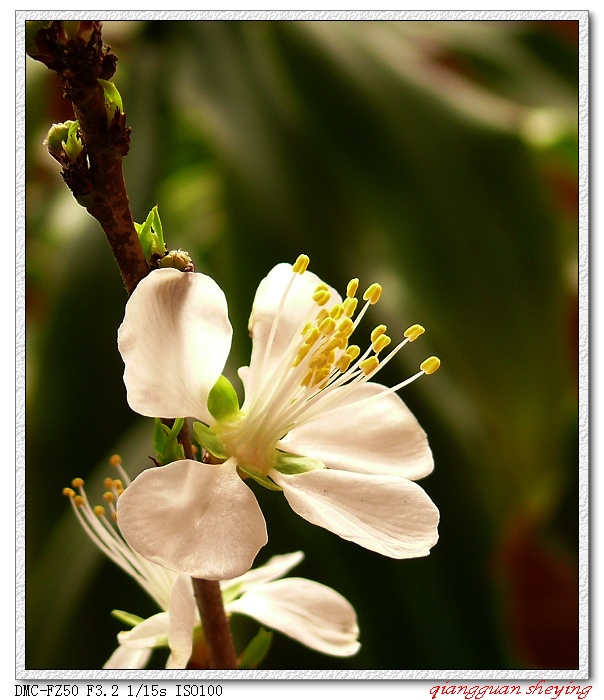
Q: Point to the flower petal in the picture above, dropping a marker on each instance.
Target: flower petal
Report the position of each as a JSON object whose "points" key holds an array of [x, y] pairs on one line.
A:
{"points": [[125, 658], [296, 310], [309, 612], [150, 633], [378, 436], [183, 617], [194, 518], [275, 567], [386, 514], [174, 341]]}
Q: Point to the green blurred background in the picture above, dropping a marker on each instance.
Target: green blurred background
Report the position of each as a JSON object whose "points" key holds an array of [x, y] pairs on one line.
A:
{"points": [[439, 158]]}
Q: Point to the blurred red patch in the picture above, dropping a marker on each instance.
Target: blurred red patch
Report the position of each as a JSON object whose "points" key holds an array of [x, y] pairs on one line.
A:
{"points": [[541, 601]]}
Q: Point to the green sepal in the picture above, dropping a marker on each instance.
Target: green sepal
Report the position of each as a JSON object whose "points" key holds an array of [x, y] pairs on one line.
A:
{"points": [[229, 593], [151, 234], [127, 618], [223, 402], [261, 478], [256, 650], [113, 99], [165, 441], [209, 440], [287, 463]]}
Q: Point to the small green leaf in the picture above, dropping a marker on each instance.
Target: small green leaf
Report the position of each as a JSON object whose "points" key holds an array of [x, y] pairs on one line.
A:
{"points": [[295, 464], [113, 99], [151, 234], [157, 227], [222, 399], [165, 441], [73, 144], [256, 650], [209, 440]]}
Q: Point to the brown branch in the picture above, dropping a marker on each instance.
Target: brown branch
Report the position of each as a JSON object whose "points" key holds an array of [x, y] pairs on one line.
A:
{"points": [[217, 632], [95, 176], [216, 628]]}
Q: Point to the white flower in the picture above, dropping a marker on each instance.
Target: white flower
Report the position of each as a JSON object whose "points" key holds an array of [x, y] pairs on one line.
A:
{"points": [[307, 611], [344, 450]]}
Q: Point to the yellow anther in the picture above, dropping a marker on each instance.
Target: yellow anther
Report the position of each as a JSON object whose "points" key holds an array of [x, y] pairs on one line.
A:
{"points": [[353, 351], [373, 293], [369, 365], [345, 327], [344, 362], [321, 316], [115, 460], [99, 510], [335, 342], [350, 306], [299, 267], [302, 353], [413, 332], [108, 483], [327, 326], [380, 343], [79, 501], [430, 365], [321, 297], [352, 287], [77, 483], [317, 361], [312, 336], [306, 328], [336, 311], [117, 483], [341, 340], [378, 331], [68, 492], [109, 497]]}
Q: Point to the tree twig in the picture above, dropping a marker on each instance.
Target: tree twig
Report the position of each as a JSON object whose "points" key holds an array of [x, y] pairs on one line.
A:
{"points": [[95, 177]]}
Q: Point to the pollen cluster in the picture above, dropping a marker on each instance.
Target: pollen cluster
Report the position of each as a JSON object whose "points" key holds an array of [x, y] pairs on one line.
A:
{"points": [[324, 352], [114, 489]]}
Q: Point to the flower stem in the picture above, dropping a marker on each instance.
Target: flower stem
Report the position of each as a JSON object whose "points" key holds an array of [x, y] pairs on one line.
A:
{"points": [[216, 628], [221, 651]]}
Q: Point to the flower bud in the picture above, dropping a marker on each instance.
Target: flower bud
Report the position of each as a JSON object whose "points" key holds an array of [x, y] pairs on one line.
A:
{"points": [[222, 399]]}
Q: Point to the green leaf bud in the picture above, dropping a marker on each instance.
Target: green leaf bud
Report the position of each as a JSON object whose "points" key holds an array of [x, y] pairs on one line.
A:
{"points": [[113, 99], [62, 139], [151, 235]]}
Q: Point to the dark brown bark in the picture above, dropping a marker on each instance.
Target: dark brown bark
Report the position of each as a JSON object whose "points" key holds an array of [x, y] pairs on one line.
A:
{"points": [[95, 177]]}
